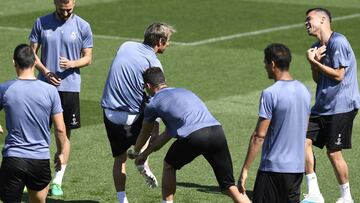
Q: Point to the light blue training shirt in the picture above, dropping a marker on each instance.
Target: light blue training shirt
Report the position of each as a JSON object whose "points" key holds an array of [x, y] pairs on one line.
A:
{"points": [[334, 97], [181, 111], [287, 105], [28, 106], [62, 38], [124, 87]]}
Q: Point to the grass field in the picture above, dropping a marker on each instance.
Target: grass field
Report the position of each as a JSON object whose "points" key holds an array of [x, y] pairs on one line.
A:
{"points": [[217, 53]]}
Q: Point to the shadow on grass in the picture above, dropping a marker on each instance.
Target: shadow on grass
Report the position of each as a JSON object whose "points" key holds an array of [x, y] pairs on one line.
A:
{"points": [[49, 199], [207, 188]]}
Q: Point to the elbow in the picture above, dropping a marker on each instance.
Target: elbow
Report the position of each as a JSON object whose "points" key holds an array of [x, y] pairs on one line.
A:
{"points": [[258, 138], [89, 62], [339, 78], [61, 130]]}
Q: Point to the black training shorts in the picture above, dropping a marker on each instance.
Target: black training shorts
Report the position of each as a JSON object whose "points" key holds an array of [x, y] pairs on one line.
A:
{"points": [[209, 142], [70, 102], [15, 173], [334, 131], [273, 187], [122, 137]]}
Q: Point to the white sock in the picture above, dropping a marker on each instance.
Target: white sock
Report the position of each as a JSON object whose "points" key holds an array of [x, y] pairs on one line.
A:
{"points": [[122, 197], [59, 175], [164, 201], [345, 191], [312, 184]]}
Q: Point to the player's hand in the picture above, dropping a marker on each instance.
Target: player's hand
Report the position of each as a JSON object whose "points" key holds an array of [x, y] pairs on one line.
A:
{"points": [[310, 54], [66, 63], [242, 180], [1, 130], [320, 52], [58, 161], [132, 154], [53, 78]]}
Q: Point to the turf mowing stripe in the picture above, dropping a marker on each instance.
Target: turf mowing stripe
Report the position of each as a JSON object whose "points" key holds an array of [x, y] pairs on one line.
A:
{"points": [[258, 32], [206, 41]]}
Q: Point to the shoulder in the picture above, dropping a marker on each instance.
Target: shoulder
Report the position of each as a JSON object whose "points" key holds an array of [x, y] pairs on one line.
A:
{"points": [[81, 21], [46, 86], [4, 86], [46, 18], [339, 38]]}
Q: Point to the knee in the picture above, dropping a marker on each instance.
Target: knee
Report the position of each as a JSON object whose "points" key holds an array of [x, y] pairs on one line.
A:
{"points": [[167, 166], [308, 143], [121, 158], [334, 155]]}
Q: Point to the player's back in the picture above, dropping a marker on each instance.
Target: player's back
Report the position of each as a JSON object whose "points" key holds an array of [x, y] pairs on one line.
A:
{"points": [[28, 106]]}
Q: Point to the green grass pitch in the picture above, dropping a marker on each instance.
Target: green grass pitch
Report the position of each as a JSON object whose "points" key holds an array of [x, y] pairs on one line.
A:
{"points": [[226, 72]]}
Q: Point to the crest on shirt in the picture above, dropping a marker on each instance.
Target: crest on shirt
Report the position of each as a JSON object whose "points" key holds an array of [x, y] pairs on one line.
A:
{"points": [[73, 35], [47, 33]]}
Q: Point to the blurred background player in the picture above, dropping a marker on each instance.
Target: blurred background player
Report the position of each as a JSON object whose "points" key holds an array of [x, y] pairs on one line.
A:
{"points": [[28, 105], [333, 66], [198, 133], [284, 111], [124, 98], [66, 44]]}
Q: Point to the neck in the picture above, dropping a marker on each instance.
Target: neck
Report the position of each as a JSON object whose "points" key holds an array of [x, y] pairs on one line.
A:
{"points": [[27, 74], [159, 87], [285, 75], [324, 36]]}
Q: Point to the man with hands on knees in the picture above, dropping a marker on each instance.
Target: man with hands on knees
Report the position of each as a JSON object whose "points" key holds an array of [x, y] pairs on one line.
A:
{"points": [[198, 133]]}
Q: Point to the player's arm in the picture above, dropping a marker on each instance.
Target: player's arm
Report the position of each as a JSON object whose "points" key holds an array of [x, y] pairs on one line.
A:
{"points": [[333, 73], [51, 77], [1, 130], [85, 60], [144, 135], [314, 73], [256, 141], [62, 142], [154, 145]]}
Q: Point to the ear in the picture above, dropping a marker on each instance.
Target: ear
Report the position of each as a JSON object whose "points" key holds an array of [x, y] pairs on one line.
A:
{"points": [[14, 62], [323, 19], [147, 86], [162, 41]]}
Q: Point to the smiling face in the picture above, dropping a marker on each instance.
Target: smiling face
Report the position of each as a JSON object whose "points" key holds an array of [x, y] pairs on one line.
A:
{"points": [[64, 10], [315, 21]]}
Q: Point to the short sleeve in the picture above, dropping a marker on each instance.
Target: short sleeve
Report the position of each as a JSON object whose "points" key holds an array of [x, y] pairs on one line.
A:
{"points": [[341, 53], [266, 105], [56, 103], [87, 37], [35, 34], [150, 113]]}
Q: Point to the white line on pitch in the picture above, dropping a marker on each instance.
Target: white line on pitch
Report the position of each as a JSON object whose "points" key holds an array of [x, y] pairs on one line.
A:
{"points": [[206, 41], [258, 32]]}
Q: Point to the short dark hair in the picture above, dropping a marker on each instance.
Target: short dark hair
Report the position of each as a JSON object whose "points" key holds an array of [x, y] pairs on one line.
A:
{"points": [[62, 1], [24, 56], [157, 31], [319, 9], [280, 54], [154, 76]]}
